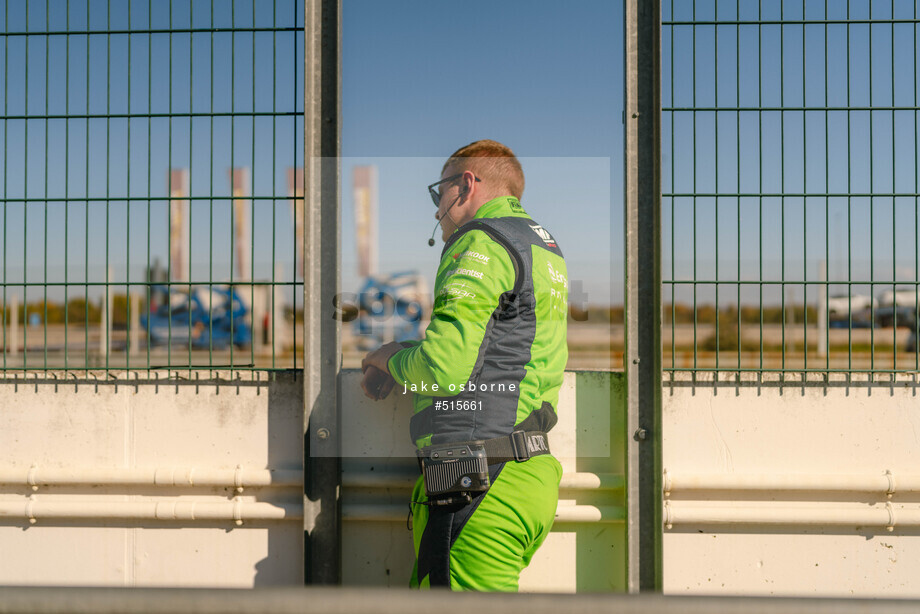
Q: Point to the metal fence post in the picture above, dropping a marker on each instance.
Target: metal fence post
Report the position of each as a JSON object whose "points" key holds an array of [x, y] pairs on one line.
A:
{"points": [[321, 343], [643, 291]]}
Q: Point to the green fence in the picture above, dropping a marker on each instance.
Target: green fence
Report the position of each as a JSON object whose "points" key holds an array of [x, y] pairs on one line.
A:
{"points": [[790, 185], [152, 157]]}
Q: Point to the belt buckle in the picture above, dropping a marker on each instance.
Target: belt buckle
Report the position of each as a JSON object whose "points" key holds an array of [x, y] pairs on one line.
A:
{"points": [[519, 446]]}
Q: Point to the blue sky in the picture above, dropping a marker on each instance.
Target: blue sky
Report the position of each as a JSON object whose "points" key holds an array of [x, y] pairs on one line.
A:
{"points": [[839, 122], [198, 77], [419, 80], [423, 78]]}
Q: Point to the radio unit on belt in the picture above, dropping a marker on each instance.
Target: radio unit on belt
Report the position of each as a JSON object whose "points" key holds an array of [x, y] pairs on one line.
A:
{"points": [[454, 468]]}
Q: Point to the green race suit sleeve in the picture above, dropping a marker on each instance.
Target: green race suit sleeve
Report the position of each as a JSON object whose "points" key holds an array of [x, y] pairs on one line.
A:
{"points": [[472, 276]]}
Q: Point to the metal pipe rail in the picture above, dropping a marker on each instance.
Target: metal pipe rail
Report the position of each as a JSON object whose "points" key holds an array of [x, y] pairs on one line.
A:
{"points": [[885, 516], [34, 510], [311, 600], [883, 483], [239, 478], [819, 511]]}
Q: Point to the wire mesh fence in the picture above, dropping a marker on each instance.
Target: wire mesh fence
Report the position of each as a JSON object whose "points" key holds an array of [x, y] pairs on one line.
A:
{"points": [[151, 207], [790, 185]]}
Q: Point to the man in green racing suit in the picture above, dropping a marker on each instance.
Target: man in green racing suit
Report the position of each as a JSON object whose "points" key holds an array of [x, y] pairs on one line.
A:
{"points": [[489, 368]]}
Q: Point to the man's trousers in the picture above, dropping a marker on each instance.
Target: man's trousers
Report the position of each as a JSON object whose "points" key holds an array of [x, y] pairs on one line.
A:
{"points": [[484, 545]]}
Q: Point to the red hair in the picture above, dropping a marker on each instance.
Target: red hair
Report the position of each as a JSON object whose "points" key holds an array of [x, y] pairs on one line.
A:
{"points": [[492, 162]]}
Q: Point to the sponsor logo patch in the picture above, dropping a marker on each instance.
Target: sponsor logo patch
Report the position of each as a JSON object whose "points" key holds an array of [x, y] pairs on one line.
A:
{"points": [[556, 276], [469, 272], [456, 290], [536, 443], [471, 254], [544, 234]]}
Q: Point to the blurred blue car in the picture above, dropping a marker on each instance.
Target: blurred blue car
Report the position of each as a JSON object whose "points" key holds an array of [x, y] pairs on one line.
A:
{"points": [[389, 309], [203, 317]]}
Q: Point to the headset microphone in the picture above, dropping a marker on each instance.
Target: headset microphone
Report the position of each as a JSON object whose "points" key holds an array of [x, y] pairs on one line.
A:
{"points": [[431, 240]]}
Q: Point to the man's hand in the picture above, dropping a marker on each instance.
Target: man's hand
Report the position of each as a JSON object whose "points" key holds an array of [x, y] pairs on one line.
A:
{"points": [[381, 356], [377, 382]]}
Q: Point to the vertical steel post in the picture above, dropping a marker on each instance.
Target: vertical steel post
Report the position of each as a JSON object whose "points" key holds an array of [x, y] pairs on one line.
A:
{"points": [[642, 182], [321, 341]]}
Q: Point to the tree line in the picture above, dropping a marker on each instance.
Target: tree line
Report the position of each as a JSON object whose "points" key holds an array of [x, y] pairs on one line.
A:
{"points": [[75, 311]]}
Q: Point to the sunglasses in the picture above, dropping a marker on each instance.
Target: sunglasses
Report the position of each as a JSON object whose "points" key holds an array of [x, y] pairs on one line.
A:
{"points": [[436, 194]]}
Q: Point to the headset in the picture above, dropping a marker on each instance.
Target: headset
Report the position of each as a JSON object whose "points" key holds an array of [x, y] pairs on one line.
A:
{"points": [[456, 200]]}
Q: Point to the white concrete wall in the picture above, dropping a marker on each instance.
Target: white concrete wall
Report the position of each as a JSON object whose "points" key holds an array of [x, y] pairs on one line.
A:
{"points": [[49, 423], [781, 488], [772, 487], [175, 430]]}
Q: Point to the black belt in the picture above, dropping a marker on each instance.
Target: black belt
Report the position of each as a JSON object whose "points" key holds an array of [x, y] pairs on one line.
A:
{"points": [[518, 446]]}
